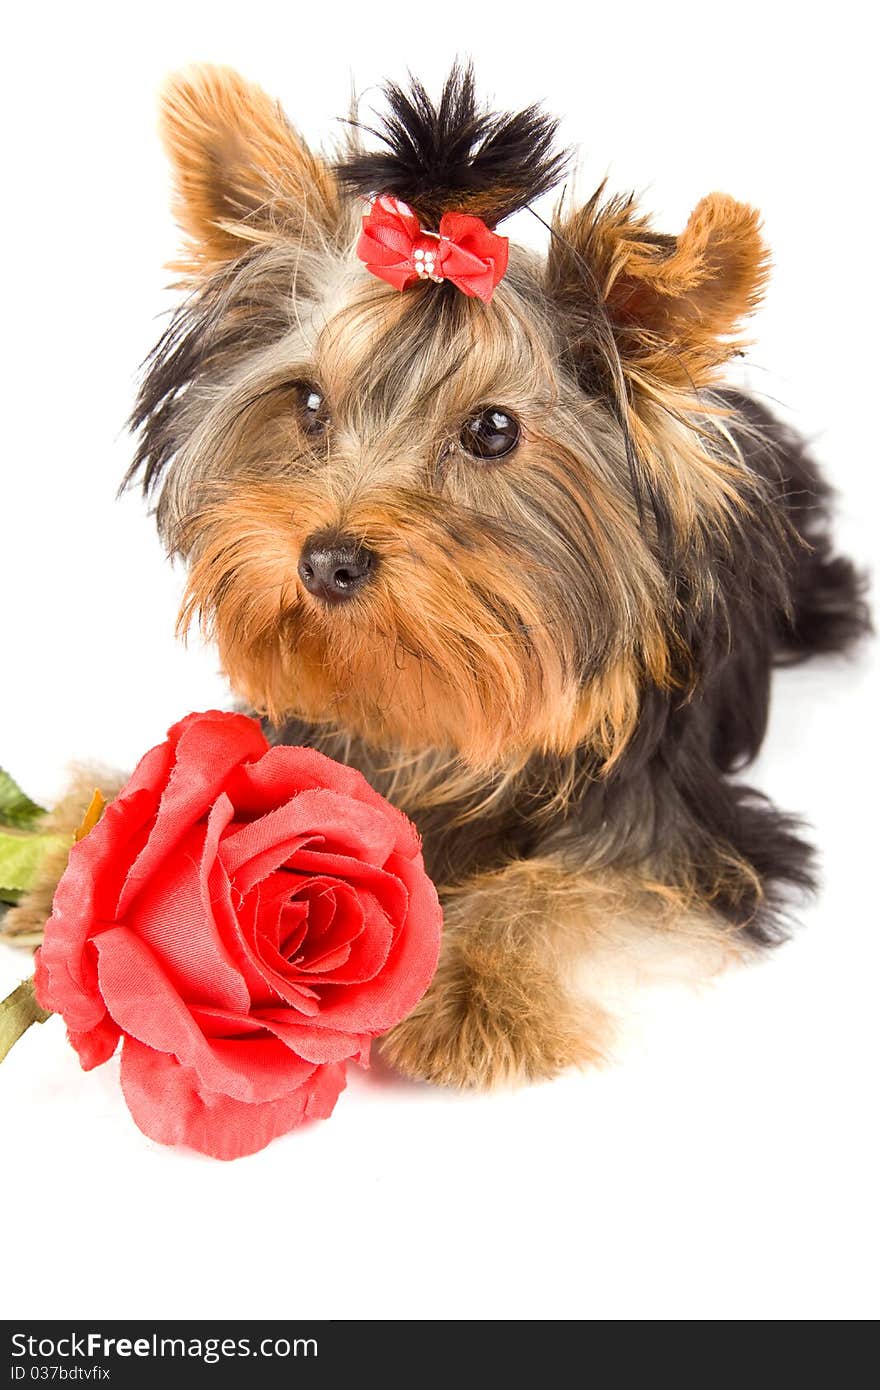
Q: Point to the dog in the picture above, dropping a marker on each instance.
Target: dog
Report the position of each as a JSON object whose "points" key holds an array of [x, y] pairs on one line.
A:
{"points": [[489, 527]]}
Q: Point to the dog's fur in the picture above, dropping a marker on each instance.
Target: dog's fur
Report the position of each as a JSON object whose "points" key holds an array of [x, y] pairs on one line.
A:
{"points": [[561, 655]]}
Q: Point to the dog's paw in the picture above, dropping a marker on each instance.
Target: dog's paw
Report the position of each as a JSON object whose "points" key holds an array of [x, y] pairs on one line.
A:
{"points": [[482, 1036]]}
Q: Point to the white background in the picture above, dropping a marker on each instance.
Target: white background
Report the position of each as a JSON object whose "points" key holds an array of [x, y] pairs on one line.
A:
{"points": [[727, 1167]]}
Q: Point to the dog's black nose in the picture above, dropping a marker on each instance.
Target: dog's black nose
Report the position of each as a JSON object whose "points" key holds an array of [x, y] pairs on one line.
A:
{"points": [[335, 567]]}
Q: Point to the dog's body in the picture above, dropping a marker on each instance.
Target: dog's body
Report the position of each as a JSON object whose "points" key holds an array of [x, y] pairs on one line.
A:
{"points": [[523, 562], [554, 864]]}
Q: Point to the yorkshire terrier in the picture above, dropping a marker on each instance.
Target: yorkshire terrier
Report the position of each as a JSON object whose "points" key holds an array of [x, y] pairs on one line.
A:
{"points": [[486, 526]]}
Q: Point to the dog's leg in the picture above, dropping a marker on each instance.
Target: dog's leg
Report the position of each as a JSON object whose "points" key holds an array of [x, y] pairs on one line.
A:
{"points": [[500, 1007]]}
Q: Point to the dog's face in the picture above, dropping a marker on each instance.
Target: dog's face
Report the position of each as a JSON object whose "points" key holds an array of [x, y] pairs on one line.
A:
{"points": [[433, 521]]}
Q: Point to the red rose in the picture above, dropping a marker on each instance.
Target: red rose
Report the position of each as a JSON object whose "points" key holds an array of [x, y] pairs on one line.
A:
{"points": [[246, 918]]}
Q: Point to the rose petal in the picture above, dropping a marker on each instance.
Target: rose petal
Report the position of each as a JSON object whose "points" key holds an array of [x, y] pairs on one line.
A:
{"points": [[388, 887], [266, 984], [169, 1105], [231, 923], [88, 892], [151, 773], [317, 897], [377, 1004], [290, 929], [302, 1037], [317, 1044], [289, 965], [207, 748], [286, 770], [335, 917], [85, 903], [228, 720], [221, 1023], [145, 1004], [97, 1045], [342, 826], [367, 954], [175, 914]]}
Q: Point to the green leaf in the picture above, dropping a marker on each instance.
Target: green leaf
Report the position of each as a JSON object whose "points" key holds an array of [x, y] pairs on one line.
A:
{"points": [[16, 808], [21, 856], [17, 1012]]}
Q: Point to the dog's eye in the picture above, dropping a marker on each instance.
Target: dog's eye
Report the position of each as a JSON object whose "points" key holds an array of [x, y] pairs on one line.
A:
{"points": [[491, 434], [311, 408]]}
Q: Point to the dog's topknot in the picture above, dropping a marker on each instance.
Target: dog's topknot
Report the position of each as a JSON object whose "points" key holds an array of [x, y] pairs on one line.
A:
{"points": [[456, 155]]}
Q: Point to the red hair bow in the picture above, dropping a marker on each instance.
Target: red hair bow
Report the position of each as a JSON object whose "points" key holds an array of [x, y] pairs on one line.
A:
{"points": [[393, 246]]}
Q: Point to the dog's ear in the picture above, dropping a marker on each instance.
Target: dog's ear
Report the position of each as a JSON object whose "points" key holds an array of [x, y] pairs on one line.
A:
{"points": [[242, 173], [673, 303]]}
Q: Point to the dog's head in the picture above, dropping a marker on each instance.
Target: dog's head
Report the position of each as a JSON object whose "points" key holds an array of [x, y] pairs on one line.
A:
{"points": [[435, 521]]}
